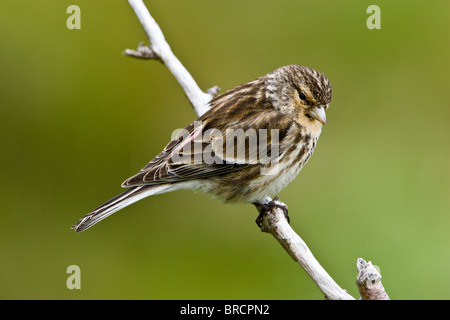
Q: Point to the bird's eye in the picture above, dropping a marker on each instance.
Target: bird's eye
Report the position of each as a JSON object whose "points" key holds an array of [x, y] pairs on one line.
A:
{"points": [[301, 95]]}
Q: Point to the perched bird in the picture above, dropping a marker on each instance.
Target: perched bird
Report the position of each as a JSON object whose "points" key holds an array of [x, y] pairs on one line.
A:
{"points": [[248, 146]]}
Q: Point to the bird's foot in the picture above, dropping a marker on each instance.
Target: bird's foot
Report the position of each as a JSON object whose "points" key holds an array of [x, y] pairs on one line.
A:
{"points": [[266, 208]]}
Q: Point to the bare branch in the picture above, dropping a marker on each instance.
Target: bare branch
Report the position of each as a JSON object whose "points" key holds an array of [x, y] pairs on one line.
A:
{"points": [[369, 281], [160, 49], [274, 222]]}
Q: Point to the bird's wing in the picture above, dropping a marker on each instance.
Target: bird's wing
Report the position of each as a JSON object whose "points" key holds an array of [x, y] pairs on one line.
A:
{"points": [[217, 145]]}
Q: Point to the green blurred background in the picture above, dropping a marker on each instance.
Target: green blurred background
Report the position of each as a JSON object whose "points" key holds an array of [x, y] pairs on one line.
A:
{"points": [[78, 117]]}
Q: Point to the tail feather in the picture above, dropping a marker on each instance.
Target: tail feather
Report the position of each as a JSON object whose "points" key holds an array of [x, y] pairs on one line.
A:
{"points": [[118, 202]]}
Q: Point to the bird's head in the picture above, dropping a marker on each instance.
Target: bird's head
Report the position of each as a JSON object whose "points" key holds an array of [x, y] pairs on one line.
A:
{"points": [[301, 92]]}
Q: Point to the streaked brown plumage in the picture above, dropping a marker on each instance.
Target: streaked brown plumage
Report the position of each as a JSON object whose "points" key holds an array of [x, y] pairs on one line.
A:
{"points": [[289, 103]]}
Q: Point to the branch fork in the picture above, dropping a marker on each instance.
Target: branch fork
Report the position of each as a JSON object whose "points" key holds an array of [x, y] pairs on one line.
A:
{"points": [[142, 52]]}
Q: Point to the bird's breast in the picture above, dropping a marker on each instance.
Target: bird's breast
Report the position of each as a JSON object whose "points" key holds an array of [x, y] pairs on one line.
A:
{"points": [[285, 169]]}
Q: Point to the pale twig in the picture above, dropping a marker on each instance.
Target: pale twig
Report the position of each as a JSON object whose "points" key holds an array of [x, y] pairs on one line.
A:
{"points": [[274, 222], [142, 52], [369, 281], [159, 49]]}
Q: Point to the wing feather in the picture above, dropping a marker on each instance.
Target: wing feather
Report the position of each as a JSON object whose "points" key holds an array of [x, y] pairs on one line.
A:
{"points": [[199, 151]]}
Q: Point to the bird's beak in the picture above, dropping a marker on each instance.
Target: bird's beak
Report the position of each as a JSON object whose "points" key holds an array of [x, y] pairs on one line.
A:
{"points": [[319, 114]]}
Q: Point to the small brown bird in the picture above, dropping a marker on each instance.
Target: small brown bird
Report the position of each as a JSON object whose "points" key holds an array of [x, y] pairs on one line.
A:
{"points": [[248, 146]]}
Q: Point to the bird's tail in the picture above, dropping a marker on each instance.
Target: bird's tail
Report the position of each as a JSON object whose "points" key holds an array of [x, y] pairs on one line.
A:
{"points": [[118, 202]]}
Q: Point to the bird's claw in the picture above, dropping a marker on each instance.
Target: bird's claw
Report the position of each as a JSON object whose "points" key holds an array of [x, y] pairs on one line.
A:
{"points": [[266, 208]]}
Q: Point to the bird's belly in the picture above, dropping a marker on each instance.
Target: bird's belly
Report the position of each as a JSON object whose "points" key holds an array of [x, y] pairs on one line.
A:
{"points": [[272, 184]]}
